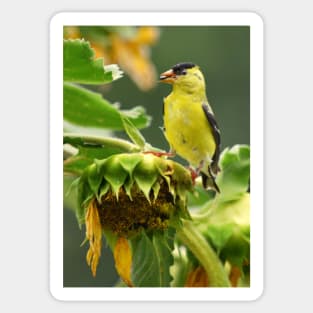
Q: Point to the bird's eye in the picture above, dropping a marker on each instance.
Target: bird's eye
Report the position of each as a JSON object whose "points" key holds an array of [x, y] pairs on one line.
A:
{"points": [[184, 72]]}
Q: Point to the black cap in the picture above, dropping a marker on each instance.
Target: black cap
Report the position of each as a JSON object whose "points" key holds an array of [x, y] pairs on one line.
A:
{"points": [[180, 68]]}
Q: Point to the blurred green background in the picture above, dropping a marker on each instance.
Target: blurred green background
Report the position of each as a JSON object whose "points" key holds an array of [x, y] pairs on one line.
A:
{"points": [[223, 53]]}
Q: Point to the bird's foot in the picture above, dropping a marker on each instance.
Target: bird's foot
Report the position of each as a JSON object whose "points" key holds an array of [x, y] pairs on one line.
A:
{"points": [[194, 174], [160, 154]]}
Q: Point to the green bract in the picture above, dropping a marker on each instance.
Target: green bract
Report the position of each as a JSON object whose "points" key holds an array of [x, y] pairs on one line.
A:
{"points": [[135, 191]]}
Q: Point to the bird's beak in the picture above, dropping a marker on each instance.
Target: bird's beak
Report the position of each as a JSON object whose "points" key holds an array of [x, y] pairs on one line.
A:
{"points": [[168, 77]]}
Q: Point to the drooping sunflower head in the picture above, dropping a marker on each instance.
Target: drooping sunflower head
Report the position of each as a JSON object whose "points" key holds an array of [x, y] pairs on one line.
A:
{"points": [[127, 193]]}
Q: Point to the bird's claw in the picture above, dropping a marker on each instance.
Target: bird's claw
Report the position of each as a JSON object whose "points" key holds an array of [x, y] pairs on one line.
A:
{"points": [[194, 174], [160, 154]]}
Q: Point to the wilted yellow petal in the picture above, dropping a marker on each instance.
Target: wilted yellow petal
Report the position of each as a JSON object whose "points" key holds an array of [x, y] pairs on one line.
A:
{"points": [[100, 50], [197, 278], [234, 275], [94, 235], [147, 35], [123, 260], [71, 32], [134, 59]]}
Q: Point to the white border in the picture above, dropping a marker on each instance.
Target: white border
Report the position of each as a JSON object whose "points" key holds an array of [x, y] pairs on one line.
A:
{"points": [[56, 166]]}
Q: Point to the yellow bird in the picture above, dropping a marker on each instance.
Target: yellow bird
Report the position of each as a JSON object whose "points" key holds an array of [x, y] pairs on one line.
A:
{"points": [[189, 123]]}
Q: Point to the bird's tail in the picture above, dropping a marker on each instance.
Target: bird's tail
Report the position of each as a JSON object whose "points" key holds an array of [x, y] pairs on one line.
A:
{"points": [[208, 181]]}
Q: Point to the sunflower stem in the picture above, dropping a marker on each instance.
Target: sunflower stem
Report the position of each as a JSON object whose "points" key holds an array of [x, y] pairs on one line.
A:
{"points": [[193, 239], [108, 141]]}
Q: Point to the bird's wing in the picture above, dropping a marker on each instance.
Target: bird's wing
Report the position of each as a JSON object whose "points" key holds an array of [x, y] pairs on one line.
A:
{"points": [[216, 134]]}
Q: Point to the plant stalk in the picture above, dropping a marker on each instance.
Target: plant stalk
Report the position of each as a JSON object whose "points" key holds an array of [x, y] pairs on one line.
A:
{"points": [[193, 239], [107, 141]]}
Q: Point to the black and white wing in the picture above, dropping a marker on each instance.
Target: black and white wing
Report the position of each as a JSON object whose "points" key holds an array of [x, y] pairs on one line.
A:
{"points": [[217, 137]]}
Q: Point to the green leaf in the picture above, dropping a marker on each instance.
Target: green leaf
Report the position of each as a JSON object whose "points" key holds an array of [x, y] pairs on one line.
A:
{"points": [[115, 70], [152, 258], [200, 197], [137, 116], [220, 234], [237, 249], [164, 244], [79, 65], [88, 109], [228, 229], [233, 180], [132, 132]]}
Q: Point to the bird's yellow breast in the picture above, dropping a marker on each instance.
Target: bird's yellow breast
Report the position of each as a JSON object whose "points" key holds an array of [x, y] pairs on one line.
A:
{"points": [[187, 128]]}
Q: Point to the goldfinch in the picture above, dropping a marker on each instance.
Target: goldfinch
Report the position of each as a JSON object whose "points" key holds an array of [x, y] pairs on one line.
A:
{"points": [[189, 123]]}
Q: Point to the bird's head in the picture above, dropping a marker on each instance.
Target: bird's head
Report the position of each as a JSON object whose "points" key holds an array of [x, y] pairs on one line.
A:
{"points": [[185, 76]]}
